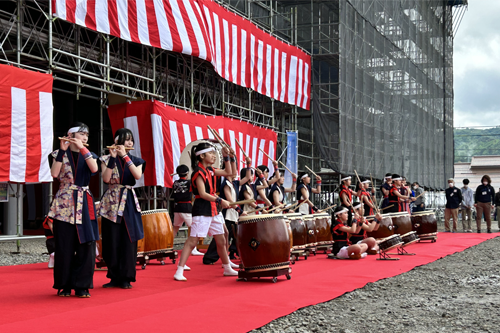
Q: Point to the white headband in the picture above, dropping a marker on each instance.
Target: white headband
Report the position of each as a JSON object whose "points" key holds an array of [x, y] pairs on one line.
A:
{"points": [[388, 177], [304, 176], [356, 206], [206, 150], [77, 129], [340, 212], [116, 139], [365, 181], [345, 178], [397, 178]]}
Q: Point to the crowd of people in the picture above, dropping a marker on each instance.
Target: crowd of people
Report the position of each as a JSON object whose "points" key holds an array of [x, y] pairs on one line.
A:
{"points": [[205, 202]]}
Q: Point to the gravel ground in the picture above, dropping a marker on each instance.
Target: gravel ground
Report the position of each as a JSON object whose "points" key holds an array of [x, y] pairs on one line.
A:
{"points": [[459, 293]]}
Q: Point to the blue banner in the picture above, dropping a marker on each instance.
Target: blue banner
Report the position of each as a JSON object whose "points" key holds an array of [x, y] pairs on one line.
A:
{"points": [[292, 155]]}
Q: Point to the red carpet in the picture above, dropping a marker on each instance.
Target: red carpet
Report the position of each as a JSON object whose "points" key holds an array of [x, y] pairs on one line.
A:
{"points": [[207, 302]]}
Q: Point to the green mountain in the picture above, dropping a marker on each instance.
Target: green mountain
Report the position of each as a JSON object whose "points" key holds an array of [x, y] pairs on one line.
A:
{"points": [[476, 142]]}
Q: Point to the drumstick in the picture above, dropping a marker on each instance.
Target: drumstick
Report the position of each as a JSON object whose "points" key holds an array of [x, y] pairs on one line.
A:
{"points": [[242, 202], [239, 145], [173, 174], [269, 157], [86, 145], [218, 137], [113, 147], [420, 195], [387, 207], [375, 197], [311, 171], [257, 210], [279, 206], [286, 167], [328, 208]]}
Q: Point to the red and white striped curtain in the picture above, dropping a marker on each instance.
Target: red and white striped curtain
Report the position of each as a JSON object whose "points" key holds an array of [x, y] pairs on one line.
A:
{"points": [[239, 51], [162, 132], [25, 125]]}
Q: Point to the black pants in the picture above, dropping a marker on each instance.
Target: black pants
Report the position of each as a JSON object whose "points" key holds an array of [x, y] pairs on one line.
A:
{"points": [[118, 252], [74, 266], [51, 245], [211, 255]]}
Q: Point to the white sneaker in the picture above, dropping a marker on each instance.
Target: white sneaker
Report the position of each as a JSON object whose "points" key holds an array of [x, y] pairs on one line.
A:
{"points": [[363, 255], [51, 260], [187, 268], [228, 271], [195, 252], [179, 276]]}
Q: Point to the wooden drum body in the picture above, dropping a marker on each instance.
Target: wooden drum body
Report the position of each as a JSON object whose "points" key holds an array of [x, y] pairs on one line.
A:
{"points": [[290, 233], [389, 243], [299, 231], [312, 236], [323, 222], [158, 232], [402, 223], [424, 223], [263, 243], [386, 228]]}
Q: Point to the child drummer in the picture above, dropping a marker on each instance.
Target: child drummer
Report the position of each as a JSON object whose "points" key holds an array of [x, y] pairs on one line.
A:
{"points": [[207, 218], [360, 236], [342, 247]]}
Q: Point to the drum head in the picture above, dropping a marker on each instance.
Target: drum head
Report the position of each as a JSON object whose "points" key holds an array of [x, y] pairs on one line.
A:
{"points": [[260, 217], [186, 158]]}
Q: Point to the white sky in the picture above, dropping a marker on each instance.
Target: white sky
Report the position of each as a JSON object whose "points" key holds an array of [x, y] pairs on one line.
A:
{"points": [[477, 65]]}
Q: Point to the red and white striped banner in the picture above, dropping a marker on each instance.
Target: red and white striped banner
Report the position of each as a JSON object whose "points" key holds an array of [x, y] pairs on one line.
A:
{"points": [[162, 132], [25, 125], [239, 51]]}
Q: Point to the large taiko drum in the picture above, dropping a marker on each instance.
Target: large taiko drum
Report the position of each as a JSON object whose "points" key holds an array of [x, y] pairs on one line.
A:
{"points": [[299, 231], [158, 232], [312, 235], [323, 222], [263, 242], [386, 228], [290, 233], [402, 222], [424, 223]]}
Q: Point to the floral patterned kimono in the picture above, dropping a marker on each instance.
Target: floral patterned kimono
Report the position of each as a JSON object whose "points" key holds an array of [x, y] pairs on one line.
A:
{"points": [[73, 202]]}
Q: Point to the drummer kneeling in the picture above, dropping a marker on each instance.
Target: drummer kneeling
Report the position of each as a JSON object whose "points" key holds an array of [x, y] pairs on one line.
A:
{"points": [[342, 247], [364, 226]]}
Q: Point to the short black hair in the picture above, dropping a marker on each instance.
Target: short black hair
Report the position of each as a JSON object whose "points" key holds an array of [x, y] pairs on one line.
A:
{"points": [[122, 135], [466, 181]]}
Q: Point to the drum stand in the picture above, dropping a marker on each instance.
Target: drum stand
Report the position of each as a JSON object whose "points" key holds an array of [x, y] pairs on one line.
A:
{"points": [[384, 255], [160, 256], [324, 247], [245, 276], [428, 237], [311, 249], [295, 254]]}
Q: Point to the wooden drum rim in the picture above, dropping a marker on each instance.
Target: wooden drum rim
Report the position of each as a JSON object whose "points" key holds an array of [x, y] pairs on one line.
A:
{"points": [[259, 218], [154, 211]]}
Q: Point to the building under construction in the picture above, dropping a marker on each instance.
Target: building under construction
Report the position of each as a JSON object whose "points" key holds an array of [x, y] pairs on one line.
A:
{"points": [[381, 95]]}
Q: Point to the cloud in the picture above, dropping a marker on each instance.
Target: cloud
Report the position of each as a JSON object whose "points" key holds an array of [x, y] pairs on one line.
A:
{"points": [[477, 65]]}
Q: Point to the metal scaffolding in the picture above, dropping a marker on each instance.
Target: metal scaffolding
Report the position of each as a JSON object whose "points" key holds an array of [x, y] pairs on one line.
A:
{"points": [[382, 75]]}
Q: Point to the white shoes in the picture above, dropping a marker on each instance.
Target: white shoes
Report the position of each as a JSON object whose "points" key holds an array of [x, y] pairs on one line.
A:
{"points": [[51, 260], [195, 252], [187, 268], [228, 271]]}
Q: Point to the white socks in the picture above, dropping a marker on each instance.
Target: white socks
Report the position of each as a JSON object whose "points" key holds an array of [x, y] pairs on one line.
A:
{"points": [[195, 252], [228, 271], [51, 260], [179, 275], [232, 264]]}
